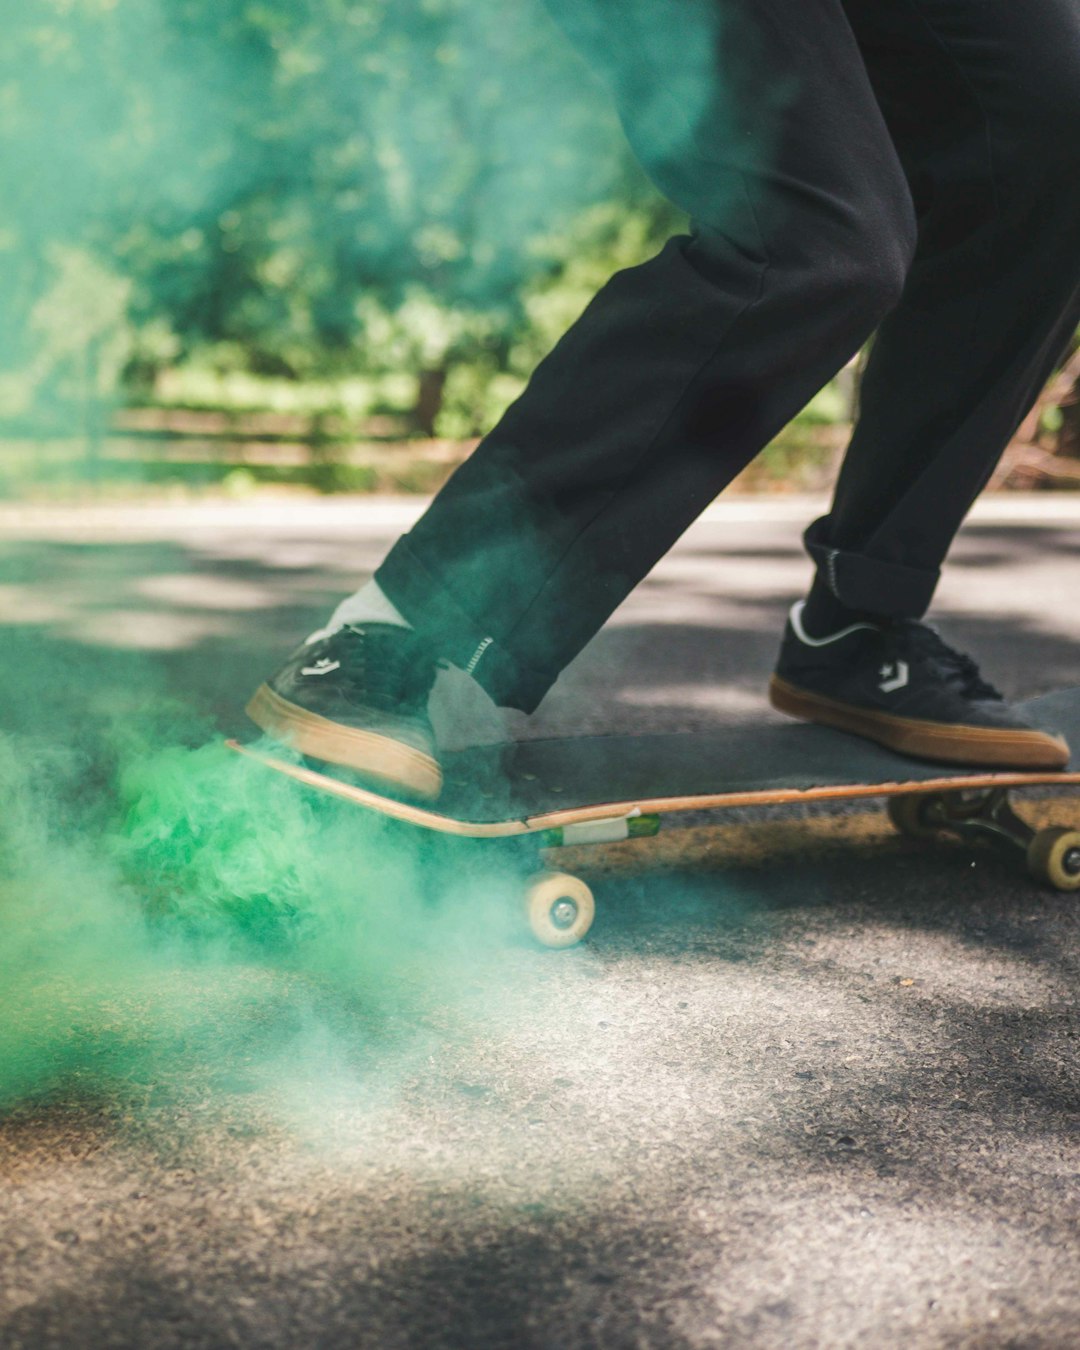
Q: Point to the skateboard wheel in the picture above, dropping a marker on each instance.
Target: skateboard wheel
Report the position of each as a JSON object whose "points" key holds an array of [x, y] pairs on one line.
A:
{"points": [[559, 908], [1053, 856], [908, 815]]}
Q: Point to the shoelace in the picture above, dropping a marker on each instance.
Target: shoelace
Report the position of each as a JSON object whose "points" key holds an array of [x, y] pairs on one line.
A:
{"points": [[387, 669], [911, 638]]}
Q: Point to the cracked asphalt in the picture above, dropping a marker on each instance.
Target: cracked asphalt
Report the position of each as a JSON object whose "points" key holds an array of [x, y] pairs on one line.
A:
{"points": [[809, 1086]]}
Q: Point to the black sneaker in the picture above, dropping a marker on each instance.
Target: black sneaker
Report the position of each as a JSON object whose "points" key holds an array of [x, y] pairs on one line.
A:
{"points": [[899, 684], [358, 698]]}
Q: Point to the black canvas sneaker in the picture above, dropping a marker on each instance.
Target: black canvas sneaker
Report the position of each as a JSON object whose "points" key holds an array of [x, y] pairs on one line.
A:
{"points": [[358, 698], [898, 683]]}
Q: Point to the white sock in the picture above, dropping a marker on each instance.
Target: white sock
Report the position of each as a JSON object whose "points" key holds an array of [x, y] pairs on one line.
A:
{"points": [[367, 605], [461, 712]]}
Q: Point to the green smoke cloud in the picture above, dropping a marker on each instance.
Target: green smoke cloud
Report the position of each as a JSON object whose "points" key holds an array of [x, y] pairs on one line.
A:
{"points": [[175, 916]]}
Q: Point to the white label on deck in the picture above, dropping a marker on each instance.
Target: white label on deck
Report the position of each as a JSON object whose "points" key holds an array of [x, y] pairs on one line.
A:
{"points": [[598, 831]]}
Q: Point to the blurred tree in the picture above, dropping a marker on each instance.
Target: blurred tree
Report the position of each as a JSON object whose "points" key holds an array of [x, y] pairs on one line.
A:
{"points": [[274, 176], [303, 188]]}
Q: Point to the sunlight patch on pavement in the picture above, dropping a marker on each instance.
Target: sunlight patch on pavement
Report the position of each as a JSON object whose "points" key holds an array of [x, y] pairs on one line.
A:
{"points": [[201, 591], [720, 611], [914, 1283], [920, 963], [979, 591], [713, 697], [32, 604], [147, 630]]}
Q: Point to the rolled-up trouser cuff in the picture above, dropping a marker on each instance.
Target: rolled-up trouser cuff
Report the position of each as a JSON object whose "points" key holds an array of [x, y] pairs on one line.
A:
{"points": [[436, 615], [862, 581]]}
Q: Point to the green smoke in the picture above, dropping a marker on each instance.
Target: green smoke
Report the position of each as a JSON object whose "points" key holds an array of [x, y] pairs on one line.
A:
{"points": [[173, 915]]}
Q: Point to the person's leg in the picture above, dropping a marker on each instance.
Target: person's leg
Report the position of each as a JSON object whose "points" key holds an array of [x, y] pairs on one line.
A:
{"points": [[983, 103], [757, 117], [677, 374]]}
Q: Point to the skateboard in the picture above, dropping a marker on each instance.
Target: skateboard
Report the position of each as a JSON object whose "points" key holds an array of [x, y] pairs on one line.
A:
{"points": [[544, 794]]}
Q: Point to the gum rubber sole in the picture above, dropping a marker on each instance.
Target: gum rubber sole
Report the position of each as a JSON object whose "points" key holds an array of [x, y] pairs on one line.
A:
{"points": [[388, 763], [973, 747]]}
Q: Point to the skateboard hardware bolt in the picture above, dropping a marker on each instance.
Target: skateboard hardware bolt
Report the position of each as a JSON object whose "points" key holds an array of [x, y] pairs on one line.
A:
{"points": [[563, 913]]}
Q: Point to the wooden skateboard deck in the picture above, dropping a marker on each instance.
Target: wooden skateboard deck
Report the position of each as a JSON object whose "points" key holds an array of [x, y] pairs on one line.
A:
{"points": [[597, 789]]}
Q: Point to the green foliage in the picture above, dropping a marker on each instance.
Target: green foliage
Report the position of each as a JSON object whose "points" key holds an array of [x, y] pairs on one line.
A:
{"points": [[369, 209], [304, 189]]}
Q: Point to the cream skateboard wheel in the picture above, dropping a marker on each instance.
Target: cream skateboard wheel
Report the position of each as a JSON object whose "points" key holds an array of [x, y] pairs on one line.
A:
{"points": [[1054, 856], [559, 908]]}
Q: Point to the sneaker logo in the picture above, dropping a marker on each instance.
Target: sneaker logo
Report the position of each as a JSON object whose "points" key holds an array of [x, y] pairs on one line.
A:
{"points": [[321, 667], [893, 677]]}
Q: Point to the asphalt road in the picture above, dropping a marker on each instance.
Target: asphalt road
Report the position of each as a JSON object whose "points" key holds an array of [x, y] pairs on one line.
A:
{"points": [[817, 1087]]}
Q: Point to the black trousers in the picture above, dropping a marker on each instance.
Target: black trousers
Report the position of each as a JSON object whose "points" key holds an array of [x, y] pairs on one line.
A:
{"points": [[909, 168]]}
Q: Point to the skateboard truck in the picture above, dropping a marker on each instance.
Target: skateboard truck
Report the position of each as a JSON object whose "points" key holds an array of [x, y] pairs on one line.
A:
{"points": [[986, 815]]}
